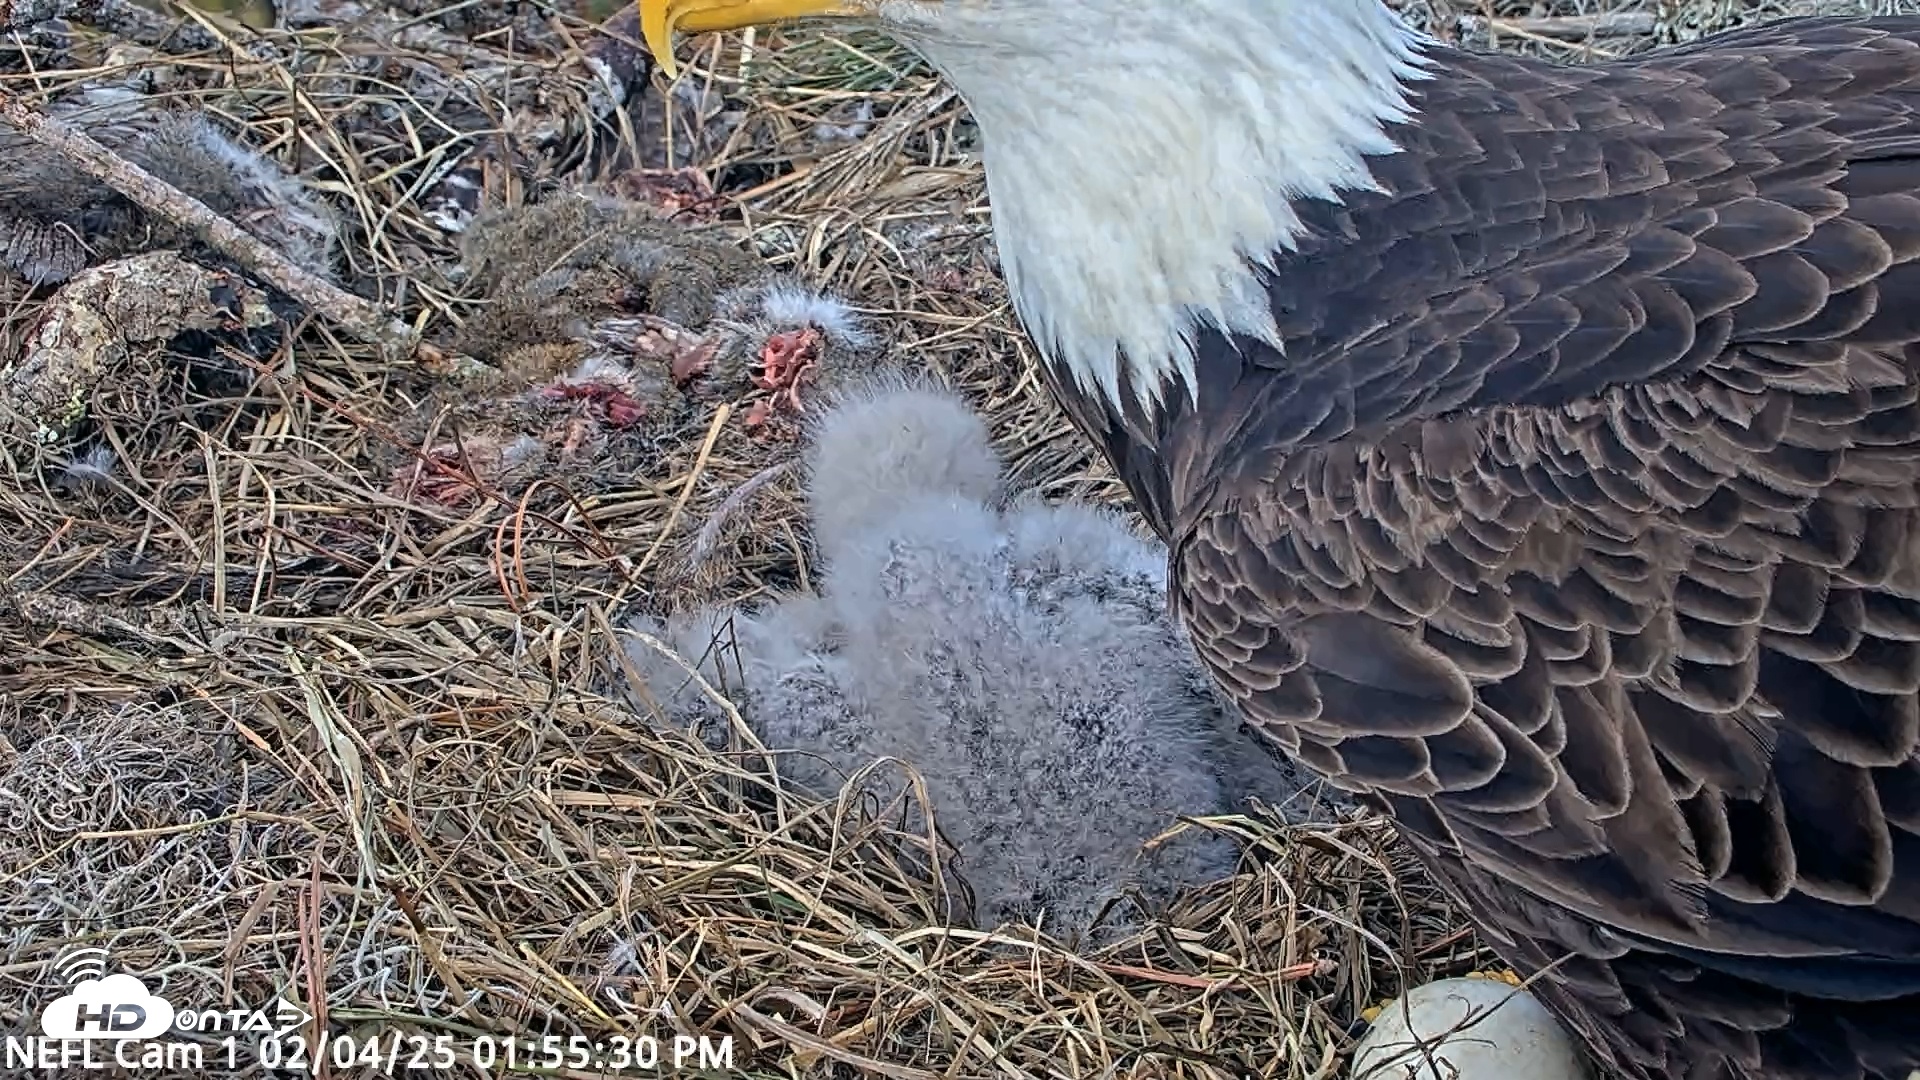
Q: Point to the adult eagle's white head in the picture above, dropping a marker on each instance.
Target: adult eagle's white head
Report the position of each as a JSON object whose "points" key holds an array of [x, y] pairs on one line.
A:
{"points": [[1142, 158]]}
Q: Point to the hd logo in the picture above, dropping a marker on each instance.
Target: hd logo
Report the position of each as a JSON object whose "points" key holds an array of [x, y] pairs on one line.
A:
{"points": [[115, 1007], [114, 1023], [102, 1006]]}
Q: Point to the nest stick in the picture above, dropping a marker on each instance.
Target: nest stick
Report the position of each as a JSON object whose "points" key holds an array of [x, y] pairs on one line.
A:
{"points": [[1567, 27], [361, 319]]}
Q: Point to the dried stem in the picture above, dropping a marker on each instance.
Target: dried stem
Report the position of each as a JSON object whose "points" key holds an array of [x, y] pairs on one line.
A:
{"points": [[1567, 27], [359, 318]]}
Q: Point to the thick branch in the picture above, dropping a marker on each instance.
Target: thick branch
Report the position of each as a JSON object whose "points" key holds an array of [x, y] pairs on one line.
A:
{"points": [[359, 318]]}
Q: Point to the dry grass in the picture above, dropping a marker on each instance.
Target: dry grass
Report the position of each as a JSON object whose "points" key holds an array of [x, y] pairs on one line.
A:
{"points": [[269, 727]]}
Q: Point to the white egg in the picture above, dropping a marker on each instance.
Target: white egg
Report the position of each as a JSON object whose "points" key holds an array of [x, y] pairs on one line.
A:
{"points": [[1410, 1038]]}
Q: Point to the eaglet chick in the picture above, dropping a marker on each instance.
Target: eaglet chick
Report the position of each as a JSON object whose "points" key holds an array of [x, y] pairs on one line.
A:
{"points": [[56, 220], [1021, 659]]}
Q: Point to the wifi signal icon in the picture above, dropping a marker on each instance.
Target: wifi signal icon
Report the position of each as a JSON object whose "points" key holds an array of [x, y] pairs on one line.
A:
{"points": [[80, 965]]}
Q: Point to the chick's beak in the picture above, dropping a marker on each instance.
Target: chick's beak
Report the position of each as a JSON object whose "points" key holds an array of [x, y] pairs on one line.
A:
{"points": [[660, 18]]}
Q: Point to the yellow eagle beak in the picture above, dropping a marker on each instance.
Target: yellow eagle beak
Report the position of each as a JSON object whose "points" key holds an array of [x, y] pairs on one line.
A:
{"points": [[660, 18]]}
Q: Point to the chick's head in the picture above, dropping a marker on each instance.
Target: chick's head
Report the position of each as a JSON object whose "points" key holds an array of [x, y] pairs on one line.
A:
{"points": [[886, 440]]}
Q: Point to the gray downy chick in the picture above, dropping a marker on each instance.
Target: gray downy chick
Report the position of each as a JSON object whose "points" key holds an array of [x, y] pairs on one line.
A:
{"points": [[785, 668], [782, 665], [1022, 661], [1055, 740], [56, 221], [1073, 555], [886, 439]]}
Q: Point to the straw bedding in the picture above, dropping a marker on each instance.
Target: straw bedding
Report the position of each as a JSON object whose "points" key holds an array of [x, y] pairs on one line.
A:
{"points": [[272, 721]]}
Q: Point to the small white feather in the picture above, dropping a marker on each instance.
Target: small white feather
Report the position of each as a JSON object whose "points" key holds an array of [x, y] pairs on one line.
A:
{"points": [[94, 468]]}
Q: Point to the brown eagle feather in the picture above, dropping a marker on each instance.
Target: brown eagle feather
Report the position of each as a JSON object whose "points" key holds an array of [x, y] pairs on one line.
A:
{"points": [[1578, 526]]}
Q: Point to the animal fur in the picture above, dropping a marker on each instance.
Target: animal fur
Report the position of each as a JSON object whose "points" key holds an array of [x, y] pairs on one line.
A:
{"points": [[56, 220]]}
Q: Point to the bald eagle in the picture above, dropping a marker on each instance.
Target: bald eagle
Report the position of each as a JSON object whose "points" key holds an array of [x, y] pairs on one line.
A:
{"points": [[1538, 451]]}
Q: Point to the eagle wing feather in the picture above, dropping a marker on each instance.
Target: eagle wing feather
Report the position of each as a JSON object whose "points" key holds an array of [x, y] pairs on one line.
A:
{"points": [[1577, 523]]}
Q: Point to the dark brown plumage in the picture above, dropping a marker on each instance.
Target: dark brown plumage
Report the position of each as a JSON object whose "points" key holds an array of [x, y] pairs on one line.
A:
{"points": [[1579, 528]]}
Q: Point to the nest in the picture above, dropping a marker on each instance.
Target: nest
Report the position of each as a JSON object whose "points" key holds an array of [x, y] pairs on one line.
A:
{"points": [[271, 727]]}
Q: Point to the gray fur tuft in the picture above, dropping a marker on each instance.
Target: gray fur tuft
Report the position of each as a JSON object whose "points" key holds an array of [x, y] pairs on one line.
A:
{"points": [[55, 220]]}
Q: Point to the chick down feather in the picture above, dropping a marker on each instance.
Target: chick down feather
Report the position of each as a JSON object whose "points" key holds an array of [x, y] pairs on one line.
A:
{"points": [[886, 439], [1022, 659]]}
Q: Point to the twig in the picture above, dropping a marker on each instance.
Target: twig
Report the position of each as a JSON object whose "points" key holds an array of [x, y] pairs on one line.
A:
{"points": [[359, 318], [693, 477], [800, 1038], [1565, 27]]}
